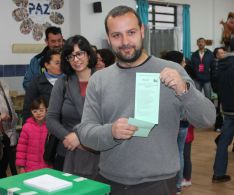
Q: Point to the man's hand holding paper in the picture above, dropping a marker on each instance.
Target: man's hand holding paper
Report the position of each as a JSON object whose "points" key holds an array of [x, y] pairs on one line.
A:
{"points": [[172, 79], [122, 130]]}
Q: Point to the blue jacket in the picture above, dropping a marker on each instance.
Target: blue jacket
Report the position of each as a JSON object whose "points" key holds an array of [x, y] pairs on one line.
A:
{"points": [[207, 60], [35, 68], [214, 75]]}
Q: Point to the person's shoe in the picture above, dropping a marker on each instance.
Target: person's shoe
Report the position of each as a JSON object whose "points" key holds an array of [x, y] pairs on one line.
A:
{"points": [[218, 130], [219, 179], [186, 183], [178, 191]]}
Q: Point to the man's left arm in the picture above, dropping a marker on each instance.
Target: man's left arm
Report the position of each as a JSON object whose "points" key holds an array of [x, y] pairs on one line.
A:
{"points": [[198, 110]]}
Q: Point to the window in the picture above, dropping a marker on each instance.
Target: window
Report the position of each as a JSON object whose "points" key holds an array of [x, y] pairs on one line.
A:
{"points": [[162, 16]]}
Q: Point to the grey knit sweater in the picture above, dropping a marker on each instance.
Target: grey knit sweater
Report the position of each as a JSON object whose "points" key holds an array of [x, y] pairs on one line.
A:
{"points": [[110, 95]]}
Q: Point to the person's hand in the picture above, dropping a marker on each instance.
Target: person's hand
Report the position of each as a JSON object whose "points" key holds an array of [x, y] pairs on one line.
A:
{"points": [[4, 116], [71, 141], [172, 79], [122, 130]]}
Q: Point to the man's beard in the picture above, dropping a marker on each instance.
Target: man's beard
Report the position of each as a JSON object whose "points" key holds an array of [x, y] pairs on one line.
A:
{"points": [[128, 59], [57, 49]]}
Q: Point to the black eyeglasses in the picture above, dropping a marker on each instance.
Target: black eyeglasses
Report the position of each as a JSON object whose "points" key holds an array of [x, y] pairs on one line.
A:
{"points": [[79, 55]]}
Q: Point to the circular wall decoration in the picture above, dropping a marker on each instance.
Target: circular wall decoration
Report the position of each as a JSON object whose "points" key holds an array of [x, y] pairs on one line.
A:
{"points": [[37, 15]]}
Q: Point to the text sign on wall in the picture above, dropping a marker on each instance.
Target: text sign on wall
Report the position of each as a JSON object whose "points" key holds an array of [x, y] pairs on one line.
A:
{"points": [[37, 15], [39, 10]]}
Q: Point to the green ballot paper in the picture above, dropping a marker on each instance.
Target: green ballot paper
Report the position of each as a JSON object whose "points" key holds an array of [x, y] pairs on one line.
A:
{"points": [[143, 127], [147, 95]]}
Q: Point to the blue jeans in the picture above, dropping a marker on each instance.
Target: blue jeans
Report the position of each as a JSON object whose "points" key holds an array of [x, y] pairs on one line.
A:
{"points": [[221, 158], [205, 86], [181, 141]]}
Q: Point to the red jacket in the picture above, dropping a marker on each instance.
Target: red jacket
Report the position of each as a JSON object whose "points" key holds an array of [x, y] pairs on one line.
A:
{"points": [[30, 147]]}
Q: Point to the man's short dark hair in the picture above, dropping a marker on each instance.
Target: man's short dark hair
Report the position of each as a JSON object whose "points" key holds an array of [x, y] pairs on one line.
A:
{"points": [[54, 30], [216, 50], [201, 38], [119, 11]]}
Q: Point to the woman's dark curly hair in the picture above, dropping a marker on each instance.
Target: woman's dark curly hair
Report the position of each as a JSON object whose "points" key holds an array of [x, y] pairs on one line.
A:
{"points": [[68, 48]]}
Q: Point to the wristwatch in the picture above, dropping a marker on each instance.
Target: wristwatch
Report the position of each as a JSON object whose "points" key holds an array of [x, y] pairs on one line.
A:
{"points": [[185, 90]]}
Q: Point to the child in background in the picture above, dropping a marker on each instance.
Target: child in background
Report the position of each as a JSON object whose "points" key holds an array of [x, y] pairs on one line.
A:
{"points": [[30, 147], [187, 158]]}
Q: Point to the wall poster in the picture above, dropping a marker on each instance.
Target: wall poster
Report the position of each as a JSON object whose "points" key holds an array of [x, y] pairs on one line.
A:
{"points": [[36, 15]]}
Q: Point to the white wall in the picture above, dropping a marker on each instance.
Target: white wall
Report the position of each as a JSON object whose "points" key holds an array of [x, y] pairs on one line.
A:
{"points": [[75, 15], [92, 24]]}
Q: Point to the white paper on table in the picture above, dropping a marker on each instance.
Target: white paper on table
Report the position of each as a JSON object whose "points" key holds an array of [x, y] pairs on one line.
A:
{"points": [[79, 179], [48, 183], [28, 193], [11, 191], [67, 174]]}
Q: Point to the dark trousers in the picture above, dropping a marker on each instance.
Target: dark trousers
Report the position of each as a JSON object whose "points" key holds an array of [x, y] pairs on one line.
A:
{"points": [[163, 187], [59, 162], [187, 161], [226, 137], [219, 116], [9, 155]]}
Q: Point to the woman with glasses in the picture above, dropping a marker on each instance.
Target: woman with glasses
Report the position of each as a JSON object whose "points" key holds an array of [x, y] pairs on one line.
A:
{"points": [[66, 106], [43, 84]]}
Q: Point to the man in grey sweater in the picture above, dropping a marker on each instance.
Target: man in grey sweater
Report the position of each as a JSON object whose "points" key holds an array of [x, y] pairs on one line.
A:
{"points": [[130, 164]]}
